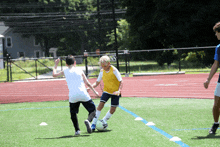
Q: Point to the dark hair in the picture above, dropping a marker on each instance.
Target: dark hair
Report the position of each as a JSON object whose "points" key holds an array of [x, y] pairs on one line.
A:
{"points": [[70, 60], [216, 27]]}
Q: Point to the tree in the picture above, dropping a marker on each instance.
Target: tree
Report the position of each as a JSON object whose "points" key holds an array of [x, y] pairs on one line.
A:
{"points": [[77, 18], [158, 24], [122, 35]]}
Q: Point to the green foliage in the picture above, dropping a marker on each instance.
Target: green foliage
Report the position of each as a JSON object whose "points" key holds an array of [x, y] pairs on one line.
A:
{"points": [[92, 61], [195, 56], [160, 23], [167, 56], [122, 32]]}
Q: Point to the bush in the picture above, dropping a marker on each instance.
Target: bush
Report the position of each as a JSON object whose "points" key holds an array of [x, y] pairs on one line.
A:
{"points": [[195, 56], [165, 57]]}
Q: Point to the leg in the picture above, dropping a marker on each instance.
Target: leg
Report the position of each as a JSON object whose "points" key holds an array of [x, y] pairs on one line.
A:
{"points": [[103, 100], [114, 104], [74, 109], [90, 107], [215, 111], [75, 121], [216, 108], [100, 106], [112, 109]]}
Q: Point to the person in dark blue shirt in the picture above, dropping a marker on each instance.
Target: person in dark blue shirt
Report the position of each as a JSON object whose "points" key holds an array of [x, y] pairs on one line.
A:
{"points": [[216, 106]]}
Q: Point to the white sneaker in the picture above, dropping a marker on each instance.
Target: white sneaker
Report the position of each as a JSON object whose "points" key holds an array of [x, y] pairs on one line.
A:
{"points": [[105, 124], [88, 126], [77, 133]]}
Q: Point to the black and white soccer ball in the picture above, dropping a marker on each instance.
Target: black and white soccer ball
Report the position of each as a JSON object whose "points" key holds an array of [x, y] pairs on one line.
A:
{"points": [[101, 126]]}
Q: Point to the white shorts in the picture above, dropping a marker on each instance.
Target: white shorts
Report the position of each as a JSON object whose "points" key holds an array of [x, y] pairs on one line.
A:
{"points": [[217, 90]]}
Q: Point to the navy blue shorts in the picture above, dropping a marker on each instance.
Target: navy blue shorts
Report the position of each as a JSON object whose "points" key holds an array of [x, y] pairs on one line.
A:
{"points": [[114, 99], [89, 105]]}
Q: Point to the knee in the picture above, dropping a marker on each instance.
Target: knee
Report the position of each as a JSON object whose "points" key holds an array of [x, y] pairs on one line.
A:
{"points": [[216, 106], [92, 113], [112, 110]]}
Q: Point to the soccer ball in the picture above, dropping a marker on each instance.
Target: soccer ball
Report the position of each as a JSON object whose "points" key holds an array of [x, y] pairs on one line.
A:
{"points": [[101, 126]]}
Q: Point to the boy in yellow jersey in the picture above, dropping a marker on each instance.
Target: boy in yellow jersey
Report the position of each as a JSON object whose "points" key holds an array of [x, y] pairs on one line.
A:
{"points": [[112, 88]]}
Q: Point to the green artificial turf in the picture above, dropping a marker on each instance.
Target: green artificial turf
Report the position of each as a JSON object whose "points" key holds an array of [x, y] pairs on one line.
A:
{"points": [[188, 119]]}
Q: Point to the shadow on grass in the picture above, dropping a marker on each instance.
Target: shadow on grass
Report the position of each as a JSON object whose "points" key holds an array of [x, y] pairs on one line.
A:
{"points": [[72, 136], [210, 136], [102, 131], [63, 137]]}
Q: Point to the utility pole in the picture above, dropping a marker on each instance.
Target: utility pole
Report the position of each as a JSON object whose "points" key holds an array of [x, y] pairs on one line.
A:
{"points": [[99, 24], [115, 25]]}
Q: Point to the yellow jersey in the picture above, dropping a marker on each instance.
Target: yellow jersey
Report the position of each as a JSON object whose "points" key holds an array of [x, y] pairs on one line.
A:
{"points": [[110, 81]]}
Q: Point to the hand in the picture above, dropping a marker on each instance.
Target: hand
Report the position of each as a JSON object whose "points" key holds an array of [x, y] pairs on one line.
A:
{"points": [[88, 89], [206, 84], [116, 93], [97, 94], [57, 62]]}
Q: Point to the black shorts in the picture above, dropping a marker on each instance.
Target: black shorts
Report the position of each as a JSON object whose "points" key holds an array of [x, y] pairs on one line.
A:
{"points": [[114, 99], [89, 105]]}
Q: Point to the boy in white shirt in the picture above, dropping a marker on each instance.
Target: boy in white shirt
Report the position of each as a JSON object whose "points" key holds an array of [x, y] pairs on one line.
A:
{"points": [[76, 81]]}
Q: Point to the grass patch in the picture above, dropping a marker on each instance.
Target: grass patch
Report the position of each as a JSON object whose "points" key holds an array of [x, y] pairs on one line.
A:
{"points": [[20, 124]]}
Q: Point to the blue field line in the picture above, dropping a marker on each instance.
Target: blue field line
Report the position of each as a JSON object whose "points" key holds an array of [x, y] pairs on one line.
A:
{"points": [[34, 108], [106, 105], [191, 129], [155, 128]]}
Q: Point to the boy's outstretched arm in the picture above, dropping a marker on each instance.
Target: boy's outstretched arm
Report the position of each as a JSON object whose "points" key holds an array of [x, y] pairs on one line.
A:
{"points": [[55, 74], [89, 85]]}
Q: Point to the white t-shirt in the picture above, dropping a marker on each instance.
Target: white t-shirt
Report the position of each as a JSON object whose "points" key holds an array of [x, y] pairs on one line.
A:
{"points": [[76, 85]]}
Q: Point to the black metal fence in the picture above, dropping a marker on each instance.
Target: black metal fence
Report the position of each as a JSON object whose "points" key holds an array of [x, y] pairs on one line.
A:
{"points": [[171, 60], [25, 68], [195, 59]]}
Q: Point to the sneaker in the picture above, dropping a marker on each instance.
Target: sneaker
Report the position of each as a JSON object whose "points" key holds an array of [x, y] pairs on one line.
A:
{"points": [[87, 123], [77, 133], [105, 125], [93, 127], [213, 129]]}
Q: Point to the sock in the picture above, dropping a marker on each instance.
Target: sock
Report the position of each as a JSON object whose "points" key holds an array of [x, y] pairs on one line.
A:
{"points": [[107, 116], [95, 119], [216, 122]]}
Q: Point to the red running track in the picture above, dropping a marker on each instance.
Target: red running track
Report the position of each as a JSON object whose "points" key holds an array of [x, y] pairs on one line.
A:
{"points": [[161, 86]]}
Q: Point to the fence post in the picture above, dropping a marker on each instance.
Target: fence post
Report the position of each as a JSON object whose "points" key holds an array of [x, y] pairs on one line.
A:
{"points": [[180, 60], [7, 68], [61, 64], [10, 69], [129, 62], [126, 63], [36, 67], [86, 63]]}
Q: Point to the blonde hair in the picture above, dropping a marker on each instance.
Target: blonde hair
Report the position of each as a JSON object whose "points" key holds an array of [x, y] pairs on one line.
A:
{"points": [[104, 59]]}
